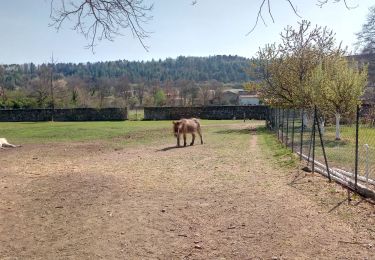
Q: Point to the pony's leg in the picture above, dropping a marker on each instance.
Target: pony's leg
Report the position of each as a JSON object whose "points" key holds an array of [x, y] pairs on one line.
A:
{"points": [[200, 135], [192, 139], [178, 140], [184, 139]]}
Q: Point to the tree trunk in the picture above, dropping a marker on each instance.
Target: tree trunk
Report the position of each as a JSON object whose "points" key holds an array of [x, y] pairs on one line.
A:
{"points": [[338, 137], [305, 120], [322, 125]]}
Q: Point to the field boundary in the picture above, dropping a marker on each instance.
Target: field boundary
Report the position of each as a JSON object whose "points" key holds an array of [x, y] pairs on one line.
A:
{"points": [[64, 114], [336, 156], [206, 112]]}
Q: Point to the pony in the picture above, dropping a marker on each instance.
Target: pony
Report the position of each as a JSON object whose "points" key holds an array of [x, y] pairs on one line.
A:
{"points": [[187, 126]]}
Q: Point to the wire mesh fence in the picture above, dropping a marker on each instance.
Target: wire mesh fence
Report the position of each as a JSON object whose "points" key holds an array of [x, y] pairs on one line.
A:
{"points": [[338, 146]]}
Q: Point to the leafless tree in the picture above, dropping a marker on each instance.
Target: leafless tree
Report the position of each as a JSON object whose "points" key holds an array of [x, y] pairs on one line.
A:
{"points": [[204, 92], [102, 19], [102, 89], [123, 89], [105, 19], [39, 87], [76, 89], [140, 90], [366, 37], [51, 71], [265, 6]]}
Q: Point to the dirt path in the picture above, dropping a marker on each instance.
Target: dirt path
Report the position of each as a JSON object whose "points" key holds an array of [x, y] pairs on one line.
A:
{"points": [[222, 200]]}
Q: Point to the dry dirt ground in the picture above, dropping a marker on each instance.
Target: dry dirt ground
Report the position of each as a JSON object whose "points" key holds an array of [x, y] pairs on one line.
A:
{"points": [[226, 199]]}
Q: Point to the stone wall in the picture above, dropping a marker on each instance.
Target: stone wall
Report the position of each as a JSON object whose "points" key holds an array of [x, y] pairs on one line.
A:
{"points": [[208, 112], [74, 114]]}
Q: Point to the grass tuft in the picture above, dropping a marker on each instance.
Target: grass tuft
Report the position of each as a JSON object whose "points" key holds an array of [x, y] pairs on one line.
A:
{"points": [[282, 155]]}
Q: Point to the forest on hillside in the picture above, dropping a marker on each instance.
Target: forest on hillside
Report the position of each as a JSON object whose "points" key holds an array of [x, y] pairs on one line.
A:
{"points": [[120, 83]]}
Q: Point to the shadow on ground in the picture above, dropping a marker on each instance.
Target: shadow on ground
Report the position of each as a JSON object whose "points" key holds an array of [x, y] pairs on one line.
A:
{"points": [[237, 131], [171, 148]]}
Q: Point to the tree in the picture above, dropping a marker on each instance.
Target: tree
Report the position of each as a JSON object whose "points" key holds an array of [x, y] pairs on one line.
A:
{"points": [[39, 88], [193, 92], [286, 68], [2, 83], [160, 98], [219, 92], [366, 37], [132, 102], [78, 89], [338, 85], [51, 71], [205, 94], [252, 87], [123, 89], [140, 90]]}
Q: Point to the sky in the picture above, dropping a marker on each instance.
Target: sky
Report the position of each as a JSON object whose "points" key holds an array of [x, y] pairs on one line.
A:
{"points": [[210, 27]]}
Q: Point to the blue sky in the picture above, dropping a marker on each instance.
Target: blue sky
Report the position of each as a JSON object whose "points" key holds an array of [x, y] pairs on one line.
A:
{"points": [[208, 28]]}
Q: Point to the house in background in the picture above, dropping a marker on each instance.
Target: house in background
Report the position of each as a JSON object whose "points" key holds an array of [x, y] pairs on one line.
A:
{"points": [[248, 100], [240, 97], [230, 96]]}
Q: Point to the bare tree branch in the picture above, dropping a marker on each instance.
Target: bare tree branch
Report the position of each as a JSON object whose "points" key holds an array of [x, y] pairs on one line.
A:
{"points": [[267, 4], [321, 3], [103, 19], [258, 15]]}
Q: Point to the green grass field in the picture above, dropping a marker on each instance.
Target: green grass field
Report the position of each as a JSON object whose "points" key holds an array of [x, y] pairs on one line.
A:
{"points": [[340, 154], [50, 132]]}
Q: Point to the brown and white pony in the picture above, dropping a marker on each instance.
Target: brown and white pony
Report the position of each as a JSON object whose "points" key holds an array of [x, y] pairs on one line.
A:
{"points": [[187, 126]]}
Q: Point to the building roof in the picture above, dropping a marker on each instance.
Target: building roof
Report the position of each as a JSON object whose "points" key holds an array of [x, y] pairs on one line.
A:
{"points": [[234, 90], [248, 96]]}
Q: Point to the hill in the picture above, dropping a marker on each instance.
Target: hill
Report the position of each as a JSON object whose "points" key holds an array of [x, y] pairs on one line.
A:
{"points": [[225, 69]]}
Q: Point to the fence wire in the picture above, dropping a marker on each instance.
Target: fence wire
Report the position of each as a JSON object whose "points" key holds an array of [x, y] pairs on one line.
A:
{"points": [[299, 130]]}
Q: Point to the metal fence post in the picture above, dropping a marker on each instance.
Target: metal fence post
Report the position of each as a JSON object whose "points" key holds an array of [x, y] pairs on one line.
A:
{"points": [[287, 127], [294, 115], [356, 147], [275, 117], [313, 141], [301, 144], [282, 125], [278, 124], [322, 143]]}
